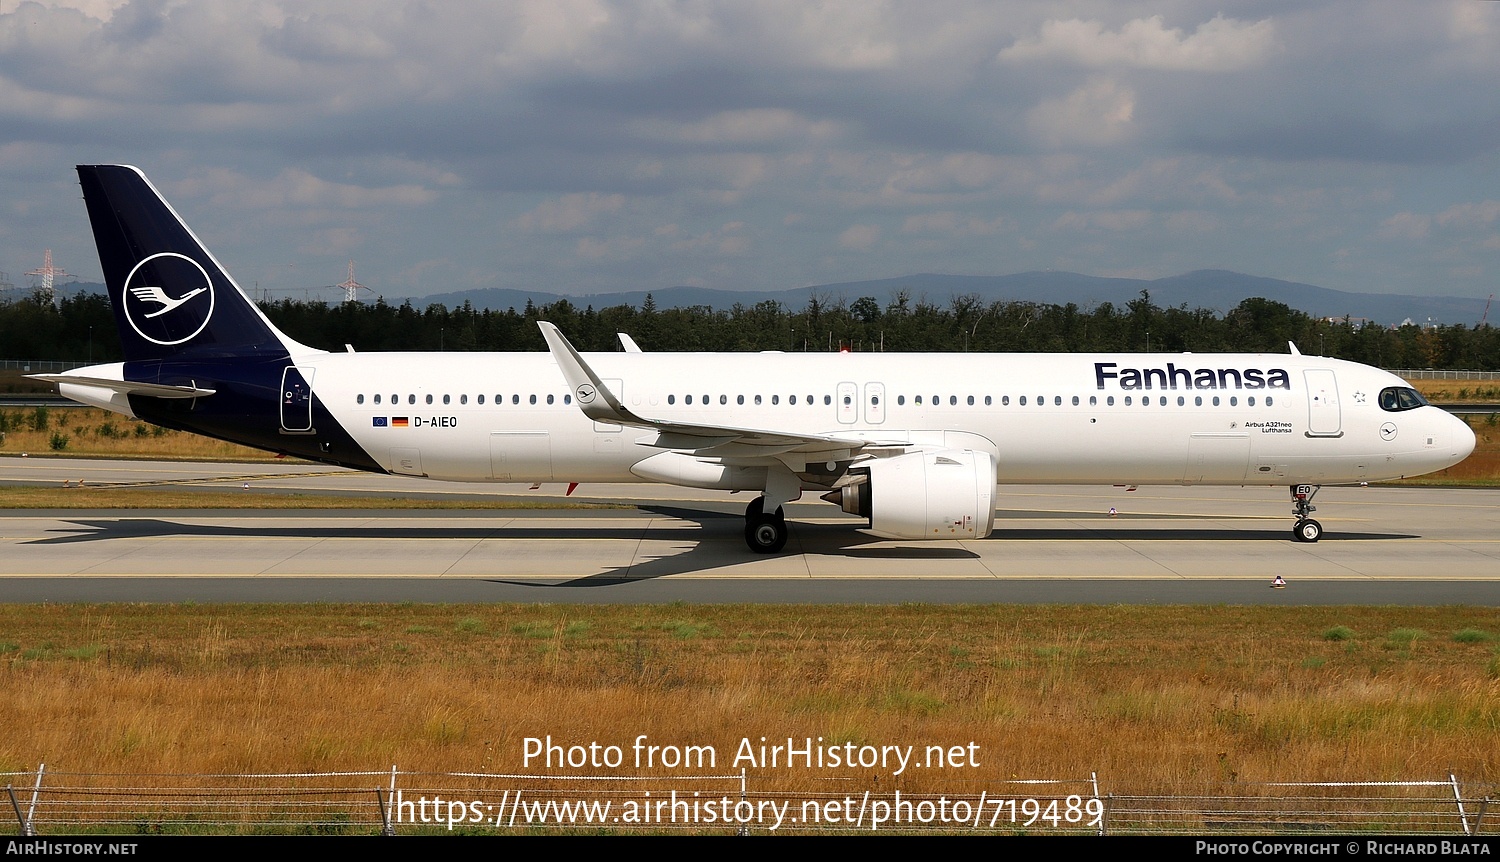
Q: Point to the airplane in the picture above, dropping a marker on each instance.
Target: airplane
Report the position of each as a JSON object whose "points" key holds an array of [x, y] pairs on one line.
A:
{"points": [[917, 444]]}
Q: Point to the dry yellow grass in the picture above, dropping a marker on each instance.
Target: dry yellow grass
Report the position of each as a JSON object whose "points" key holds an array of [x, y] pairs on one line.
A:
{"points": [[1468, 391], [94, 433], [1156, 699]]}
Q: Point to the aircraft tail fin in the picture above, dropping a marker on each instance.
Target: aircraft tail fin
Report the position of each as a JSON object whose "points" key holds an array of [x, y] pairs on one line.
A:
{"points": [[170, 296]]}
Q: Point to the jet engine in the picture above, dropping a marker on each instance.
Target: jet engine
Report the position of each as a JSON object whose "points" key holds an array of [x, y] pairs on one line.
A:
{"points": [[945, 494]]}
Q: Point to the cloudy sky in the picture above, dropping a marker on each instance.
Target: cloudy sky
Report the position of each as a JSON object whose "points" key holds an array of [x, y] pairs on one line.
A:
{"points": [[579, 147]]}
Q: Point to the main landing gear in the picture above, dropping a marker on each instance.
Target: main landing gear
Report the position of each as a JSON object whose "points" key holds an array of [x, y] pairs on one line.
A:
{"points": [[1306, 529], [764, 533]]}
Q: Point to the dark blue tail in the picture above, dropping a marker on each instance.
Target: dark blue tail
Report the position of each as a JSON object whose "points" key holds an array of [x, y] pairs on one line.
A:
{"points": [[184, 323], [171, 299]]}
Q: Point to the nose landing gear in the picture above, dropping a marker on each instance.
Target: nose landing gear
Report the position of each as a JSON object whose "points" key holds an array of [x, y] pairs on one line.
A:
{"points": [[1306, 529]]}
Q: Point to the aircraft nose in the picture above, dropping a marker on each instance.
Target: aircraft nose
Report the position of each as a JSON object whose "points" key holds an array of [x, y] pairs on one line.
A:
{"points": [[1463, 439]]}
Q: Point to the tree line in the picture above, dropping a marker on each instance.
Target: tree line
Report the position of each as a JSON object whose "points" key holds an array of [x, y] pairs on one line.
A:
{"points": [[81, 327]]}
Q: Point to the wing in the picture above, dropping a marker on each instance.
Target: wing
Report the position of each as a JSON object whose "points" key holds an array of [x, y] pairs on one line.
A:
{"points": [[151, 294], [740, 445]]}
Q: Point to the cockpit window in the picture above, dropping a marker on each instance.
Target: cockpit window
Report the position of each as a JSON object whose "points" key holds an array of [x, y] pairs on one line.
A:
{"points": [[1398, 398]]}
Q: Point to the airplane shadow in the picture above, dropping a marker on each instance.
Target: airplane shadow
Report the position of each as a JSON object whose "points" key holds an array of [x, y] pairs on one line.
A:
{"points": [[701, 541]]}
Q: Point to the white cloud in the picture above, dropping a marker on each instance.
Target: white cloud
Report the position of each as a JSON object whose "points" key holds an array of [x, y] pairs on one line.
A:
{"points": [[297, 189], [1468, 215], [1220, 45], [1096, 114], [860, 237], [1110, 220], [569, 212]]}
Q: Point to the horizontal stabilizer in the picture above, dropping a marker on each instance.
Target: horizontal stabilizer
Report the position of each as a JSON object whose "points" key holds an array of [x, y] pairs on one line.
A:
{"points": [[127, 387]]}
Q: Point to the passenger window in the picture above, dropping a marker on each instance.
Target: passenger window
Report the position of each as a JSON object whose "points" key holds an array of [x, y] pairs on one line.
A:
{"points": [[429, 398], [464, 399], [1197, 400], [1110, 401], [359, 399], [1004, 400], [1022, 402], [723, 399], [1268, 401], [1093, 401], [447, 399], [739, 399], [1181, 402], [1234, 401], [567, 399], [986, 400], [515, 399], [828, 399], [1127, 400], [671, 399], [775, 399], [480, 399], [757, 399], [1075, 400], [900, 400], [1250, 400], [411, 399], [971, 401], [688, 400], [549, 399], [533, 399], [1216, 401], [793, 400]]}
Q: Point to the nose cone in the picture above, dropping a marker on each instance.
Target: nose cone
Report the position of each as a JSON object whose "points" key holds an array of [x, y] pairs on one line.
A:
{"points": [[1463, 440]]}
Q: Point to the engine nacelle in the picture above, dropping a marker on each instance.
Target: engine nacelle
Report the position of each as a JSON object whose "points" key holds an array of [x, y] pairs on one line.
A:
{"points": [[947, 494]]}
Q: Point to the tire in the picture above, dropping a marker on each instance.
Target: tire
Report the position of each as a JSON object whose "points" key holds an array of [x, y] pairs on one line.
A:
{"points": [[766, 534], [1307, 530]]}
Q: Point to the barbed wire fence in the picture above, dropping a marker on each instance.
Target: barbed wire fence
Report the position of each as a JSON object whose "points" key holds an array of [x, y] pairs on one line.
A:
{"points": [[394, 801]]}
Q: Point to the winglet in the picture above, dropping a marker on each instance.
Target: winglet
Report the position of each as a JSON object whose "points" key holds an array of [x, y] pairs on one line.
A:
{"points": [[627, 343], [594, 398], [1292, 345]]}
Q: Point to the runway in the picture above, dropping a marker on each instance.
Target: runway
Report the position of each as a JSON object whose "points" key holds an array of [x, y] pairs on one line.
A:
{"points": [[1051, 544]]}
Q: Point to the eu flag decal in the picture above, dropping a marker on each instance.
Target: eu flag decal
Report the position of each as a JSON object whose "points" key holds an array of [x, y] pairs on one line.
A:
{"points": [[379, 421]]}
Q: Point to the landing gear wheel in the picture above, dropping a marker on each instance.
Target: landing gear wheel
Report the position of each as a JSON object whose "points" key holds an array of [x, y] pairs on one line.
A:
{"points": [[1307, 530], [764, 533]]}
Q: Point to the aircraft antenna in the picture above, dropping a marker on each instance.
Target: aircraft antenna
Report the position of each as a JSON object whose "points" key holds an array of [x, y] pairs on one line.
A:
{"points": [[351, 287], [48, 273]]}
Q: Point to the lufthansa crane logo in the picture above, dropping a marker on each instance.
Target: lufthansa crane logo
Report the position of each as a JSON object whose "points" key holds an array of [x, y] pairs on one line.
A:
{"points": [[586, 393], [168, 298]]}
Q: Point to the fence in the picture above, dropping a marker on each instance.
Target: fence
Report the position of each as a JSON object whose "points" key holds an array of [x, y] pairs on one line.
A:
{"points": [[394, 801], [1430, 374], [39, 366]]}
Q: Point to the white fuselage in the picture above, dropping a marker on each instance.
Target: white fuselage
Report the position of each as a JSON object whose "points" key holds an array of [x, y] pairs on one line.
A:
{"points": [[1229, 419]]}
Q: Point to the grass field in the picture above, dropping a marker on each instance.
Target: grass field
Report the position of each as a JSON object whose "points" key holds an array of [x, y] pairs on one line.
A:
{"points": [[1159, 699]]}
